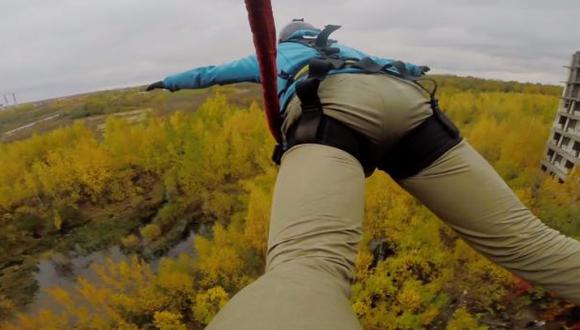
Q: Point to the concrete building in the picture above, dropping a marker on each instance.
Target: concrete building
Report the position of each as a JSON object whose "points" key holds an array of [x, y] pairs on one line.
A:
{"points": [[563, 148]]}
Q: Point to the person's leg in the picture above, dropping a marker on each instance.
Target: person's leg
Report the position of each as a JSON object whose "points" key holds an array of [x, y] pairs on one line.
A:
{"points": [[466, 192], [314, 231], [317, 214]]}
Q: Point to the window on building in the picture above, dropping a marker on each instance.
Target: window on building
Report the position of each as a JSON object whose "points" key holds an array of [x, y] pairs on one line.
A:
{"points": [[576, 109], [557, 137], [561, 122], [565, 141]]}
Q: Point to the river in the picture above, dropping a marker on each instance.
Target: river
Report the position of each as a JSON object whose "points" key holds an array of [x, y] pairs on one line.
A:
{"points": [[62, 270]]}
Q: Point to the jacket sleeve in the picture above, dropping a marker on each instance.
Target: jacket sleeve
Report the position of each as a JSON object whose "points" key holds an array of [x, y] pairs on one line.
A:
{"points": [[412, 69], [242, 70]]}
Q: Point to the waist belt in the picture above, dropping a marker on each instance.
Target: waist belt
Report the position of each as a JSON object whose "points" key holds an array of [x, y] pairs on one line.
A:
{"points": [[332, 132], [416, 150]]}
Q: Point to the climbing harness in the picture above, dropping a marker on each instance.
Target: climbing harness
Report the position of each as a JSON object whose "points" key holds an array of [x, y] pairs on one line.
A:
{"points": [[415, 151]]}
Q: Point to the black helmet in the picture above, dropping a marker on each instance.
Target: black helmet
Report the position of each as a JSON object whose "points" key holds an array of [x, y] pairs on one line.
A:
{"points": [[295, 25]]}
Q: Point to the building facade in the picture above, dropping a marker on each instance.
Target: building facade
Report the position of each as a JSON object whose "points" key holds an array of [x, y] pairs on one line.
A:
{"points": [[563, 147]]}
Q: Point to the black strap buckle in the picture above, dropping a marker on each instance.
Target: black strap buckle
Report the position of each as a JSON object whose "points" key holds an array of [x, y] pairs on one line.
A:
{"points": [[277, 153], [308, 124], [322, 38]]}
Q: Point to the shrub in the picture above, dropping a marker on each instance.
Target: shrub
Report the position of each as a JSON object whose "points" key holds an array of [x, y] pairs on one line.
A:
{"points": [[150, 232], [130, 241]]}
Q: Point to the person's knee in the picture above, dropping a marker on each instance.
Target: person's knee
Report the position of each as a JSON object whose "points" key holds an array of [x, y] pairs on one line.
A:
{"points": [[328, 247], [334, 270]]}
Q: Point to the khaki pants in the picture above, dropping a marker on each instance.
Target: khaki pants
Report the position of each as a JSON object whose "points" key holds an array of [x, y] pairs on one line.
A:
{"points": [[318, 209]]}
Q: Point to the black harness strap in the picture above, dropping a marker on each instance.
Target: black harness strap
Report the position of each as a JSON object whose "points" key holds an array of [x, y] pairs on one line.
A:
{"points": [[307, 92], [401, 69], [322, 38], [332, 132], [368, 65], [307, 89], [425, 143], [420, 147]]}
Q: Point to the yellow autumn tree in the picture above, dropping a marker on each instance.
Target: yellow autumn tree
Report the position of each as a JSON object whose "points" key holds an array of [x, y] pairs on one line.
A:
{"points": [[213, 165]]}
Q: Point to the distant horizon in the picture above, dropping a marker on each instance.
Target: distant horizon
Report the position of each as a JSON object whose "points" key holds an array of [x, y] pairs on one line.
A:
{"points": [[119, 87]]}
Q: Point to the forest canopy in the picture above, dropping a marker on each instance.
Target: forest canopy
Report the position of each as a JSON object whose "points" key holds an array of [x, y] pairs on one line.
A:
{"points": [[211, 166]]}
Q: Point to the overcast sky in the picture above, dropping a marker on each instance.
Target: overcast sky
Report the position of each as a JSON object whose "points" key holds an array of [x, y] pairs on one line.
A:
{"points": [[59, 47]]}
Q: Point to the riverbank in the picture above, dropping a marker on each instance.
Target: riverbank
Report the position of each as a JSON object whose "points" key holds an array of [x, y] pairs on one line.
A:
{"points": [[27, 274], [90, 228]]}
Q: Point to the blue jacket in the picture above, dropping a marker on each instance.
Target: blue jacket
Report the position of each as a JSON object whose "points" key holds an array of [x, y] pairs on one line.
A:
{"points": [[292, 56]]}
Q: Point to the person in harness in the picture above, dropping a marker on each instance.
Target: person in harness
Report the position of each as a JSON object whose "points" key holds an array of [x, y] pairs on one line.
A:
{"points": [[345, 114]]}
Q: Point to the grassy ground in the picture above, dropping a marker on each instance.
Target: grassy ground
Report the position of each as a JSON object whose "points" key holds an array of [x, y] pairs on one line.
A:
{"points": [[20, 122]]}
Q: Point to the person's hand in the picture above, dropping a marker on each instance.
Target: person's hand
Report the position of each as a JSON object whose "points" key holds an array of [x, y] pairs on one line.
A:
{"points": [[156, 85]]}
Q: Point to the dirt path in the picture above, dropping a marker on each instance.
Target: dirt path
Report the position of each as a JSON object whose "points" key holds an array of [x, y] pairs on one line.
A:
{"points": [[18, 129]]}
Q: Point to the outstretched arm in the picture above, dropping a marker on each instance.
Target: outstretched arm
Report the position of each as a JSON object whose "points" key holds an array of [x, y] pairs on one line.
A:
{"points": [[242, 70]]}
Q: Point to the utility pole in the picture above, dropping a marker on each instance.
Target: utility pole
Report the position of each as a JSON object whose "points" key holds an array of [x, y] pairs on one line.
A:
{"points": [[14, 98], [6, 100]]}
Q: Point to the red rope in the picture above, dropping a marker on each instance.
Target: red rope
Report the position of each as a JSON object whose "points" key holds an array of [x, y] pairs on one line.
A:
{"points": [[264, 33]]}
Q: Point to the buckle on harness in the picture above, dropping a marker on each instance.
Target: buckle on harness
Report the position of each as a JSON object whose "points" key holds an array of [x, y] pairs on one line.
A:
{"points": [[277, 153], [308, 124]]}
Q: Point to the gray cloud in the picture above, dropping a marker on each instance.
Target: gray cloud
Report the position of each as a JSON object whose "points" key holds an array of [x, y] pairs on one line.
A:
{"points": [[59, 47]]}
